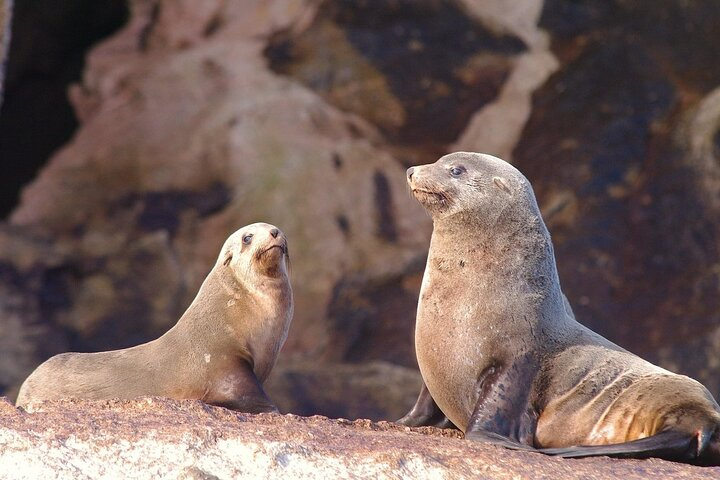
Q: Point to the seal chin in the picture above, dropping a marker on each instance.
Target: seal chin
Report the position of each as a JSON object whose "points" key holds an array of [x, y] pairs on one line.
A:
{"points": [[271, 256]]}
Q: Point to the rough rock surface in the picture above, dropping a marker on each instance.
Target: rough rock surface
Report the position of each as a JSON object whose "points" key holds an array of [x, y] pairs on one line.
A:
{"points": [[199, 117], [157, 438]]}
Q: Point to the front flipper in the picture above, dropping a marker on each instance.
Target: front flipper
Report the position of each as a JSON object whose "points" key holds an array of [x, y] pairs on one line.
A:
{"points": [[239, 389], [496, 439], [503, 414], [425, 413]]}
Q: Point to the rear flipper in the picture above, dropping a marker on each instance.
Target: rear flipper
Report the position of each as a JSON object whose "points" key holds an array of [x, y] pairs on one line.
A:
{"points": [[669, 445], [701, 449]]}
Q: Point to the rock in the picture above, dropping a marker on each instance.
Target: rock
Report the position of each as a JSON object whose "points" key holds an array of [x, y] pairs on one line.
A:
{"points": [[380, 60], [31, 285], [157, 438], [374, 390]]}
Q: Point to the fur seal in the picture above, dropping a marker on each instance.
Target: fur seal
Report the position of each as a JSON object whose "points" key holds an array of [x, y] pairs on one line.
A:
{"points": [[220, 351], [500, 351]]}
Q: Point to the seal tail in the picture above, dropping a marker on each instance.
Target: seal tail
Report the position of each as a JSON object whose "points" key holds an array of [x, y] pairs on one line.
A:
{"points": [[669, 445]]}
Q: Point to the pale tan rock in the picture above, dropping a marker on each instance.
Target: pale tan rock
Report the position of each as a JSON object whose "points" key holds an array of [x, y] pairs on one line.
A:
{"points": [[496, 128], [158, 438]]}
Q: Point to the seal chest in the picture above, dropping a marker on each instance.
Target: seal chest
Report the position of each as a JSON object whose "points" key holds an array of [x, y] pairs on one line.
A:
{"points": [[220, 351], [500, 351]]}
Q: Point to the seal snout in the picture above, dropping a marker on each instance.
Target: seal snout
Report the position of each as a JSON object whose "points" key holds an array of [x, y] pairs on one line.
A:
{"points": [[410, 172], [275, 241]]}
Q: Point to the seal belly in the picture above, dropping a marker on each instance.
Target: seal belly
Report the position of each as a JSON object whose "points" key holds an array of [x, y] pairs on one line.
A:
{"points": [[448, 363], [449, 388]]}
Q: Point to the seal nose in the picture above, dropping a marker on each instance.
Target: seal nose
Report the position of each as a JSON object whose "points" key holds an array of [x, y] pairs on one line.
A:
{"points": [[410, 172], [274, 232]]}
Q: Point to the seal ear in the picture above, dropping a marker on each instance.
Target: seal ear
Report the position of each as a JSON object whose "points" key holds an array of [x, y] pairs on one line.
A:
{"points": [[500, 183], [229, 256]]}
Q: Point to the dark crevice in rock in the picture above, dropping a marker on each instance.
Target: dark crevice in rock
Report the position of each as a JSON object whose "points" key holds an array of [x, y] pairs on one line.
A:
{"points": [[213, 26], [337, 161], [362, 330], [162, 210], [49, 43], [56, 289], [387, 229], [144, 36], [343, 224], [416, 69], [33, 297]]}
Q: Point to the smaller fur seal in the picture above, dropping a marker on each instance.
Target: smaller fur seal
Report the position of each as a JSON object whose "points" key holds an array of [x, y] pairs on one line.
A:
{"points": [[220, 351], [500, 352]]}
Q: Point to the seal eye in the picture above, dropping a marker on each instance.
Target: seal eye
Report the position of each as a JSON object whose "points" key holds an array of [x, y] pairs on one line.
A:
{"points": [[247, 239], [457, 170]]}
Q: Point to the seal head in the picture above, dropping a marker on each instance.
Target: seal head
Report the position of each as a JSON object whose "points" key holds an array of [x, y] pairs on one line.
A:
{"points": [[452, 185]]}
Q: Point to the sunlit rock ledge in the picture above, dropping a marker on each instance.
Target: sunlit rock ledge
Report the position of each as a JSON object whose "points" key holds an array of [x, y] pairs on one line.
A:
{"points": [[159, 438]]}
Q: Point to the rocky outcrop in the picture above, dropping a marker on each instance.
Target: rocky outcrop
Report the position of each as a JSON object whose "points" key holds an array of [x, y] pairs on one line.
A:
{"points": [[156, 438], [196, 121]]}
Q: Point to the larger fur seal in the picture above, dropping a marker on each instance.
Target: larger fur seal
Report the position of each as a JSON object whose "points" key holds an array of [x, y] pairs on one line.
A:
{"points": [[499, 348], [220, 351]]}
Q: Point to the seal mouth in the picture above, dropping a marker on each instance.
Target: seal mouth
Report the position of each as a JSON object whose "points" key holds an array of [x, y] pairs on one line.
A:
{"points": [[275, 250], [280, 246], [430, 196]]}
